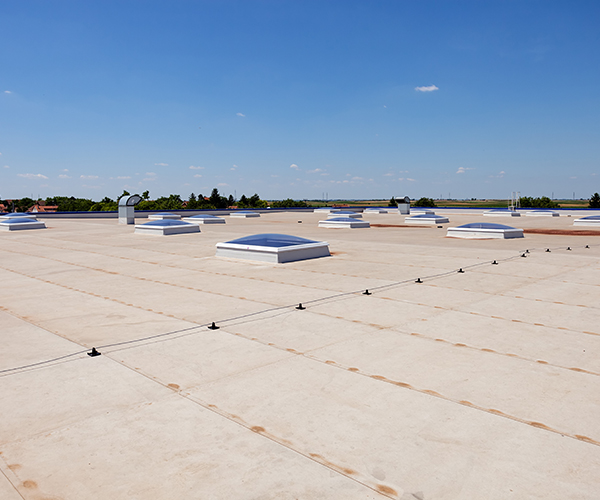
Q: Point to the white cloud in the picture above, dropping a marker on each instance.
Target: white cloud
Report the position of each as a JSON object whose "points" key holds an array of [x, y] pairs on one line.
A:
{"points": [[123, 177], [274, 175], [411, 180], [32, 176], [64, 176], [462, 170], [428, 88], [196, 168], [389, 174], [161, 164], [241, 114], [149, 179], [150, 173], [88, 176], [222, 184], [234, 167], [197, 175], [65, 170], [6, 166], [315, 171], [324, 174], [293, 165], [357, 179], [7, 92]]}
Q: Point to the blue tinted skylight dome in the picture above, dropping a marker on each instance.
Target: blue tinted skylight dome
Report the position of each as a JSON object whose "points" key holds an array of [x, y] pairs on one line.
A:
{"points": [[345, 213], [427, 216], [376, 210], [326, 209], [427, 219], [542, 213], [271, 240], [501, 212], [590, 220], [19, 215], [204, 219], [244, 214], [344, 222], [484, 230], [164, 215], [485, 225], [19, 223], [272, 247], [165, 223], [166, 226]]}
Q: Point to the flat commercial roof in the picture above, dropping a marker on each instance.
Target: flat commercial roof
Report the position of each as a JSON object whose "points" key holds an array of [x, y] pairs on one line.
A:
{"points": [[481, 384]]}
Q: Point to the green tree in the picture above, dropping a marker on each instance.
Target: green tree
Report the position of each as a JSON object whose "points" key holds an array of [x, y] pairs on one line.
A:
{"points": [[595, 201], [192, 202], [392, 202], [543, 202], [425, 202], [146, 195]]}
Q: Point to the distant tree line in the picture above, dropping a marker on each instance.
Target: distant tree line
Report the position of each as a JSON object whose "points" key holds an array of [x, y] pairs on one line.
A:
{"points": [[543, 202], [171, 202]]}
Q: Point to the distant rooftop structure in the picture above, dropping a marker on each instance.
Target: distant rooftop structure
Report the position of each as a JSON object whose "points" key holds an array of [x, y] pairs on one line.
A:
{"points": [[244, 214], [273, 247], [484, 230], [204, 219], [165, 227], [326, 210], [344, 223], [542, 213], [164, 216], [375, 210], [346, 213], [501, 212], [430, 219]]}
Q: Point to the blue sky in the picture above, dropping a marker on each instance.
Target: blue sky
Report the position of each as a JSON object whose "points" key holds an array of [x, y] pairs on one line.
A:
{"points": [[357, 99]]}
